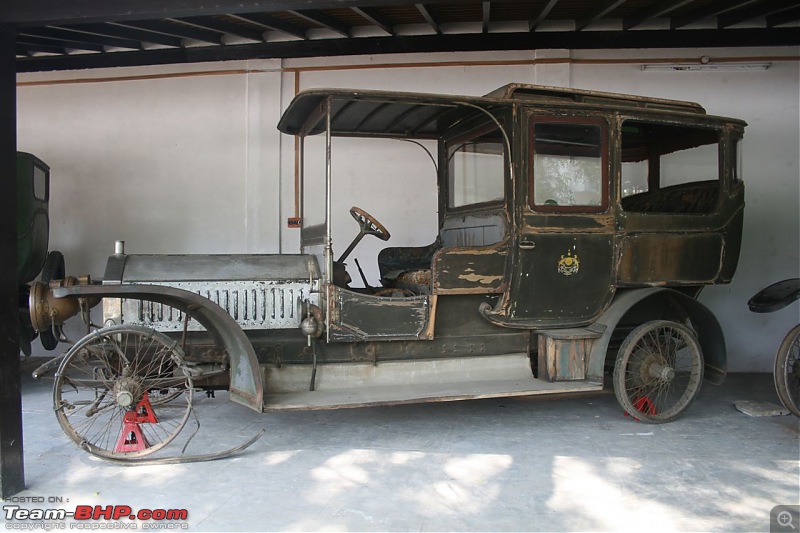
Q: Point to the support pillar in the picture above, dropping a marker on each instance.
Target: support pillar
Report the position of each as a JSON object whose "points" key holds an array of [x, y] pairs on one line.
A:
{"points": [[12, 477]]}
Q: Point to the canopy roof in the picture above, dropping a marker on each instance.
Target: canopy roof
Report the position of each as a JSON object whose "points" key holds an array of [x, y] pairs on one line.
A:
{"points": [[381, 114], [427, 116]]}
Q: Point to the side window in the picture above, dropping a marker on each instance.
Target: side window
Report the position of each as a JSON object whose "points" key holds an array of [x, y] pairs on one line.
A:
{"points": [[569, 165], [476, 168], [668, 168], [39, 183], [737, 162]]}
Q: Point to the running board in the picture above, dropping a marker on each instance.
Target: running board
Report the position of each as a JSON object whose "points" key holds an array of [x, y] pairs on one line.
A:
{"points": [[344, 385]]}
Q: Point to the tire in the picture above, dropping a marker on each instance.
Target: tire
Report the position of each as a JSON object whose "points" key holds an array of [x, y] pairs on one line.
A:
{"points": [[787, 371], [658, 371], [53, 269]]}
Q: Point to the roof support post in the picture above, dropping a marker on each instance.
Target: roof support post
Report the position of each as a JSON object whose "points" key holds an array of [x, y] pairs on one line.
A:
{"points": [[12, 477], [328, 276]]}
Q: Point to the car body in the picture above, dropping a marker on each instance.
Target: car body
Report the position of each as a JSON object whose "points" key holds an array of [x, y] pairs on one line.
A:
{"points": [[575, 231]]}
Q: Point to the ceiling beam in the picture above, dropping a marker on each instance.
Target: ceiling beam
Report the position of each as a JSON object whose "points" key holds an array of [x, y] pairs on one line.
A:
{"points": [[225, 26], [176, 30], [712, 38], [784, 17], [74, 45], [321, 19], [714, 9], [42, 48], [274, 23], [67, 35], [374, 18], [426, 14], [597, 14], [30, 12], [487, 9], [124, 32], [764, 9], [538, 19], [661, 9]]}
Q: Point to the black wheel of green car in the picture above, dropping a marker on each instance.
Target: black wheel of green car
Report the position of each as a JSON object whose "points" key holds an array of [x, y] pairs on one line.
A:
{"points": [[658, 371], [787, 371], [102, 392], [53, 269]]}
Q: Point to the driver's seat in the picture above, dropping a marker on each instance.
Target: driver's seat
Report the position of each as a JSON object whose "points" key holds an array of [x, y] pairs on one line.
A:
{"points": [[408, 268]]}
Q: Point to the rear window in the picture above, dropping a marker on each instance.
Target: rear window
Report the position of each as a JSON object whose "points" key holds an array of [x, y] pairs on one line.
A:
{"points": [[39, 183], [668, 168]]}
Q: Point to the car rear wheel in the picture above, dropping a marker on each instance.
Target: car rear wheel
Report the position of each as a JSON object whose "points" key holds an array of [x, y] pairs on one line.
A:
{"points": [[658, 371]]}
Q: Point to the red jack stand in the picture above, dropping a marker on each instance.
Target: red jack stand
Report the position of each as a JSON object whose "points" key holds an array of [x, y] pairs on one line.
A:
{"points": [[131, 439], [645, 405]]}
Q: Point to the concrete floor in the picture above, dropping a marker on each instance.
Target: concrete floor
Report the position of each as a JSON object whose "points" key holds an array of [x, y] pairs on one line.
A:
{"points": [[491, 465]]}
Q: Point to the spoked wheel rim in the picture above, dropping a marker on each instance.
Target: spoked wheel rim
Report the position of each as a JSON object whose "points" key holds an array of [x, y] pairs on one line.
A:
{"points": [[658, 371], [787, 371], [102, 395]]}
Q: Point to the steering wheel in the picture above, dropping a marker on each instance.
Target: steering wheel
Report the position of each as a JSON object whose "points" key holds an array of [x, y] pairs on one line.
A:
{"points": [[368, 225]]}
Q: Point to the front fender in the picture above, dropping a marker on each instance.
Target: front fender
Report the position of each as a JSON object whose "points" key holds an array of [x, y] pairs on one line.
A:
{"points": [[705, 324], [776, 296], [246, 387]]}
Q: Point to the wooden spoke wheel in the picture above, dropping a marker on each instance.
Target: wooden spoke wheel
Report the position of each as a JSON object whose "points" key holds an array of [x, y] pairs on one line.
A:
{"points": [[102, 394], [658, 371]]}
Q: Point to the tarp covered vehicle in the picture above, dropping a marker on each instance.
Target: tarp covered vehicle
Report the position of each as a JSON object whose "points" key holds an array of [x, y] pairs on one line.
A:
{"points": [[575, 232]]}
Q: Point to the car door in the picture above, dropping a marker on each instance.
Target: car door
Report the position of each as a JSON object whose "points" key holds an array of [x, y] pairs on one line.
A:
{"points": [[563, 270]]}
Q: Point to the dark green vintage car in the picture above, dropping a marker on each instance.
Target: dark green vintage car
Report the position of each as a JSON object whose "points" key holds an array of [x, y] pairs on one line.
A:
{"points": [[575, 231], [33, 235], [33, 222]]}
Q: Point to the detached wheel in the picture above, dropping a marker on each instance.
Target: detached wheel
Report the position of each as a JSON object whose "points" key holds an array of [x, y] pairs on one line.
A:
{"points": [[53, 269], [787, 371], [103, 388], [658, 371]]}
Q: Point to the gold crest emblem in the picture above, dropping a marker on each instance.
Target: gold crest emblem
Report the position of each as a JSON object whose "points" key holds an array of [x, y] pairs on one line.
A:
{"points": [[569, 264]]}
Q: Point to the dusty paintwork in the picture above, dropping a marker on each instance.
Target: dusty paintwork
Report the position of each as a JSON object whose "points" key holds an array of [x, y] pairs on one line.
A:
{"points": [[358, 316], [466, 270], [483, 280]]}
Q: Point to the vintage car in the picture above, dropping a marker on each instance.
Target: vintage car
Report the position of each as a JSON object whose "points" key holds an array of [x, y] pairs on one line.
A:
{"points": [[33, 237], [575, 232], [786, 371]]}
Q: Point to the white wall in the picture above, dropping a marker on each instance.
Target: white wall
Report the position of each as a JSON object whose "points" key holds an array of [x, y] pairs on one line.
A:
{"points": [[187, 158]]}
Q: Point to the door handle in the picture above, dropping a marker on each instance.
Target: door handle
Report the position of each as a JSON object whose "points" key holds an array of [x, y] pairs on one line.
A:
{"points": [[527, 245]]}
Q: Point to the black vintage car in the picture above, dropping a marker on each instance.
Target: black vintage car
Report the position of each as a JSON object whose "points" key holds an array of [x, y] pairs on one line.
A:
{"points": [[575, 232]]}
